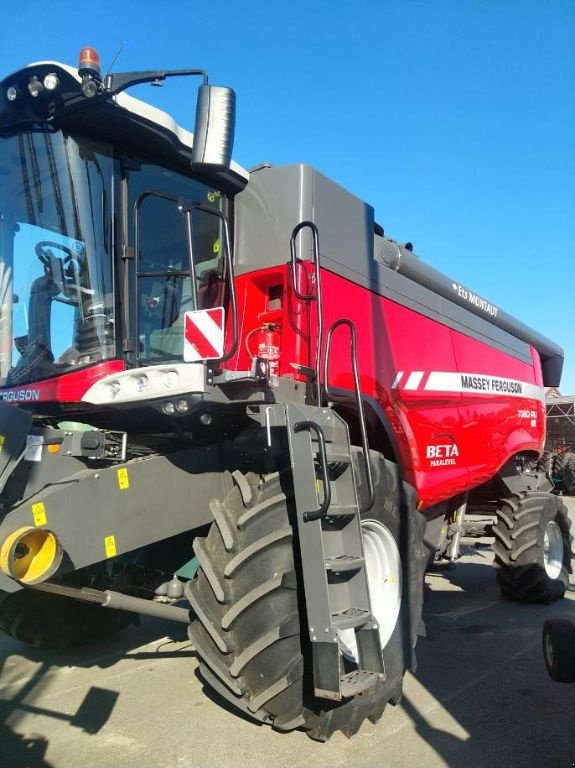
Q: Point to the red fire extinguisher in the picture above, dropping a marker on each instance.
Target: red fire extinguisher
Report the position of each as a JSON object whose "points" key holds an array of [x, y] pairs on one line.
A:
{"points": [[267, 345]]}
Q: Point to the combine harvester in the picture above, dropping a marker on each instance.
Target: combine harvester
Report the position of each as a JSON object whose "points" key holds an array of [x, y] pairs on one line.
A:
{"points": [[231, 389]]}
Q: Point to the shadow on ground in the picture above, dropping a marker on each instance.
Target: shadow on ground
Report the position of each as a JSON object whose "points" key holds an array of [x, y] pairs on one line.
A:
{"points": [[482, 662], [17, 697], [481, 695]]}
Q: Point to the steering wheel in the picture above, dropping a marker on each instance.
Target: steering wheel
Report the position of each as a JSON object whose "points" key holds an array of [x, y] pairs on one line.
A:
{"points": [[44, 252]]}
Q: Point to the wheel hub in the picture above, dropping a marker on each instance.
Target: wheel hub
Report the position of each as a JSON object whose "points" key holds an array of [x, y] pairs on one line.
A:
{"points": [[553, 550], [383, 567], [548, 650]]}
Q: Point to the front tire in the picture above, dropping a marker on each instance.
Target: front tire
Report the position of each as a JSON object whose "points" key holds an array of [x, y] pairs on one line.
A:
{"points": [[250, 630], [532, 547]]}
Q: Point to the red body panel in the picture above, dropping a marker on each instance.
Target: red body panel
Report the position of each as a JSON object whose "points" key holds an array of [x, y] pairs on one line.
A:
{"points": [[459, 408], [67, 388]]}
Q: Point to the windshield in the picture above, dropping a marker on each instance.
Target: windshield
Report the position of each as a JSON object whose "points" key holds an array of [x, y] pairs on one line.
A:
{"points": [[56, 306]]}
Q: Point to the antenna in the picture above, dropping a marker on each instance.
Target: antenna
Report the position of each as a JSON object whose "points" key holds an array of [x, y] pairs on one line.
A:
{"points": [[115, 59]]}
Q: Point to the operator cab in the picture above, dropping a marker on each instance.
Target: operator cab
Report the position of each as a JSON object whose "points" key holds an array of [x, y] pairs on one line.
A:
{"points": [[110, 231]]}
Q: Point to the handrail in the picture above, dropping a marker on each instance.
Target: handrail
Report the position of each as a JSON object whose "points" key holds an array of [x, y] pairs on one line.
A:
{"points": [[231, 278], [358, 397], [310, 296], [317, 514]]}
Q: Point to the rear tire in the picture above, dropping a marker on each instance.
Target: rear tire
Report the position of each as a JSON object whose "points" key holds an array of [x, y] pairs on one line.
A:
{"points": [[532, 547], [559, 650], [559, 461], [250, 630], [568, 474], [545, 462]]}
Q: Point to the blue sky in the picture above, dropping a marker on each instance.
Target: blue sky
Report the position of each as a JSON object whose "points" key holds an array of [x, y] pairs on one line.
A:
{"points": [[455, 119]]}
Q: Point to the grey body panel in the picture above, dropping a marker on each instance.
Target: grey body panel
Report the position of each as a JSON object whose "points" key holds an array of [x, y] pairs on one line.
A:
{"points": [[159, 497], [276, 199], [407, 264], [14, 425]]}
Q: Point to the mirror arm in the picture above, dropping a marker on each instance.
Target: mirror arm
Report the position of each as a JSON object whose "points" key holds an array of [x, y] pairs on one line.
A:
{"points": [[114, 84]]}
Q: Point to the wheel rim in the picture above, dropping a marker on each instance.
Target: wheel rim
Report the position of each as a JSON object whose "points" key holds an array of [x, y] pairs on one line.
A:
{"points": [[553, 550], [548, 650], [383, 567]]}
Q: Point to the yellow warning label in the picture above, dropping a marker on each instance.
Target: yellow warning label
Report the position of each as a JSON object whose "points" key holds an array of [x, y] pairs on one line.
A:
{"points": [[2, 441], [110, 546], [123, 479], [39, 513]]}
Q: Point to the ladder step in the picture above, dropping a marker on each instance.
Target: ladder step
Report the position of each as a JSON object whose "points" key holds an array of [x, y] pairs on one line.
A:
{"points": [[336, 452], [357, 682], [339, 510], [344, 563], [338, 457], [350, 617]]}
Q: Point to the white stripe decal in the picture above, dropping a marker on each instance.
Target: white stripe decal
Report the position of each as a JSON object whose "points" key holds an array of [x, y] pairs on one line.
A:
{"points": [[478, 383], [414, 380], [397, 379]]}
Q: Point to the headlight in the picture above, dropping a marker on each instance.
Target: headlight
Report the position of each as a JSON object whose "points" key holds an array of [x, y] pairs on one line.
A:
{"points": [[35, 87], [51, 81], [115, 387]]}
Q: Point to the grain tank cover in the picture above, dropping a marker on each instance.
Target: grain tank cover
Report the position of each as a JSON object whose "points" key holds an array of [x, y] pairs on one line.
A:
{"points": [[277, 198], [403, 262]]}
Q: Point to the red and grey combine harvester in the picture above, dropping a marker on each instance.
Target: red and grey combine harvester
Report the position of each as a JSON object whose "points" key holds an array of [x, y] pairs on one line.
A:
{"points": [[230, 400]]}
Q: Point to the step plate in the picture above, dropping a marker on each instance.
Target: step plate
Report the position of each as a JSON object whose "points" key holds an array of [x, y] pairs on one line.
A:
{"points": [[351, 617], [343, 563], [357, 682]]}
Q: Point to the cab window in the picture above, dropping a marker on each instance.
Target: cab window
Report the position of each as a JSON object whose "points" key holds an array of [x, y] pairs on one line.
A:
{"points": [[171, 278]]}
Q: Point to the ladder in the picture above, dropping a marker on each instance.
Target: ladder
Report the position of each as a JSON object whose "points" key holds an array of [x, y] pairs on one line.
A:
{"points": [[329, 517], [332, 558]]}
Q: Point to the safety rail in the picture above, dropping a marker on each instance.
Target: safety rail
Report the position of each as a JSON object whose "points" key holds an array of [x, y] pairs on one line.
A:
{"points": [[358, 398]]}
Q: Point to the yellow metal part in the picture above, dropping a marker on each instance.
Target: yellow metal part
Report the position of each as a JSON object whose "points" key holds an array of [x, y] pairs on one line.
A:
{"points": [[39, 514], [110, 546], [123, 479], [30, 555]]}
